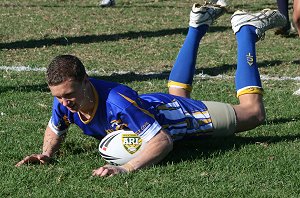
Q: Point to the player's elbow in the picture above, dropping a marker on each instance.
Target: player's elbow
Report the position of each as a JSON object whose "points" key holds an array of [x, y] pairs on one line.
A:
{"points": [[164, 142], [169, 145], [168, 142]]}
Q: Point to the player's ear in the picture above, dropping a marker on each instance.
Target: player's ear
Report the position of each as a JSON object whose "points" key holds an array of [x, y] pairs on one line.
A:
{"points": [[86, 78]]}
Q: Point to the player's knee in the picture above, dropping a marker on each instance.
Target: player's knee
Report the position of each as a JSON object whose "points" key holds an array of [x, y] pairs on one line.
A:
{"points": [[259, 115], [255, 113]]}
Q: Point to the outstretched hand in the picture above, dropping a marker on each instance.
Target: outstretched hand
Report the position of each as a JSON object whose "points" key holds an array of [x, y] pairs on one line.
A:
{"points": [[34, 158], [109, 171]]}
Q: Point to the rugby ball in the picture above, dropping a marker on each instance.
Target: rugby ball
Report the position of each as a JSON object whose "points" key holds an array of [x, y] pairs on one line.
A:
{"points": [[120, 146]]}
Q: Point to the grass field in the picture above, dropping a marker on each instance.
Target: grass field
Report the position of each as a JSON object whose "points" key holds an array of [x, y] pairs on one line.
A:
{"points": [[135, 43]]}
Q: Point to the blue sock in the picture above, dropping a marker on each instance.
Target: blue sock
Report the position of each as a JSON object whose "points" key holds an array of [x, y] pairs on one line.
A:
{"points": [[184, 67], [283, 7], [247, 74]]}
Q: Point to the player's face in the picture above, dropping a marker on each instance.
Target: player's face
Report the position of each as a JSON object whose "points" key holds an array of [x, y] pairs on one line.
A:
{"points": [[70, 93]]}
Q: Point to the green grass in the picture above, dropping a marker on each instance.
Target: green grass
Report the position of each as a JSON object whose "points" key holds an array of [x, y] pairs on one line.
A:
{"points": [[142, 37]]}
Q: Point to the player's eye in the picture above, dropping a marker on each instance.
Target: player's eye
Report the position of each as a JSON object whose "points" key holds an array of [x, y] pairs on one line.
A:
{"points": [[69, 95]]}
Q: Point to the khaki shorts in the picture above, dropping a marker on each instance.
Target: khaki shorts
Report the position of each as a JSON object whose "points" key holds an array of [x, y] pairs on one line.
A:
{"points": [[223, 118]]}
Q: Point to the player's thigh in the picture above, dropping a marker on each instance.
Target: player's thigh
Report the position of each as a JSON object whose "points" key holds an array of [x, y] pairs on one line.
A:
{"points": [[223, 118]]}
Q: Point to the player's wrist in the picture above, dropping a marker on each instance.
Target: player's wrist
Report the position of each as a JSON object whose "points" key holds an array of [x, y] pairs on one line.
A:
{"points": [[128, 167], [46, 154]]}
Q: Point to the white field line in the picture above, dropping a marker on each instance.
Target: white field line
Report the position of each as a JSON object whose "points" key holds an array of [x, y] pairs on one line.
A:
{"points": [[297, 92], [202, 76], [21, 68]]}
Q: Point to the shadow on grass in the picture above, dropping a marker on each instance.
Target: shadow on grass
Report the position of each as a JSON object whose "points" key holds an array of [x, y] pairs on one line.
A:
{"points": [[19, 5], [98, 38], [146, 4], [25, 88], [292, 118], [119, 5], [296, 62], [205, 148], [188, 150]]}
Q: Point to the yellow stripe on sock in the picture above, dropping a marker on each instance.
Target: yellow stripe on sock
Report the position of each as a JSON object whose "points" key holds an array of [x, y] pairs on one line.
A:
{"points": [[180, 85], [250, 90]]}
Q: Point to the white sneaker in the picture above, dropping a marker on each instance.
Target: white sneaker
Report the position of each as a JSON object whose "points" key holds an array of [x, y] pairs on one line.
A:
{"points": [[107, 3], [263, 21], [221, 3], [205, 14]]}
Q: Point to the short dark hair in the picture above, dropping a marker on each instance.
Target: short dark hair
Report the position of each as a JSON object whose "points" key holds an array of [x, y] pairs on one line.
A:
{"points": [[64, 67]]}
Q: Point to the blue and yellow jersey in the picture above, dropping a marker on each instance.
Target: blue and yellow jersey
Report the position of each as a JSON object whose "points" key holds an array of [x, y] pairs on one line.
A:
{"points": [[118, 106]]}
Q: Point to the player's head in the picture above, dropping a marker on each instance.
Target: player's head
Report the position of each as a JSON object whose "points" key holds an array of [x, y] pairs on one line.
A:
{"points": [[68, 82], [65, 67]]}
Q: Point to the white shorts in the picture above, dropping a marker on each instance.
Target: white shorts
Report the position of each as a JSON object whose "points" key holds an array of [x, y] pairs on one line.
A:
{"points": [[223, 118]]}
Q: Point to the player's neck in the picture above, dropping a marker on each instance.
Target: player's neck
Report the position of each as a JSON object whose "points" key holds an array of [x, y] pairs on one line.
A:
{"points": [[89, 102]]}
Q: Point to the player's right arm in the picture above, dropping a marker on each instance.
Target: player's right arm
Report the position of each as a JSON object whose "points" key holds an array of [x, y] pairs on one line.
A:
{"points": [[51, 145]]}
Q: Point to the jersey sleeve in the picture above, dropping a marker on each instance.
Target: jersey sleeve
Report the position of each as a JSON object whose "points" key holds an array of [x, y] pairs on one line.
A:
{"points": [[128, 109], [59, 121], [141, 121]]}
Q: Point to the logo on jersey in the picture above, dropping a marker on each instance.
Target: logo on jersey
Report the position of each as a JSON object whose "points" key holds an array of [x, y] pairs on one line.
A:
{"points": [[118, 124], [131, 142], [249, 59]]}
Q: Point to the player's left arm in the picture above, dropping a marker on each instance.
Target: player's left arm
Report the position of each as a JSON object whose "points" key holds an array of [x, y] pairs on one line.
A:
{"points": [[155, 150]]}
